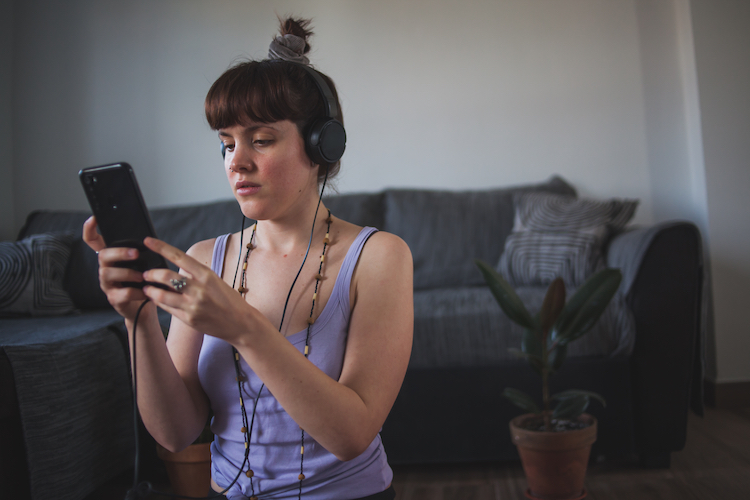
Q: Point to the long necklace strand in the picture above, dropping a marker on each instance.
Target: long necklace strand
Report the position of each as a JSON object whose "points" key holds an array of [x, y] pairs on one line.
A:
{"points": [[248, 430], [310, 321]]}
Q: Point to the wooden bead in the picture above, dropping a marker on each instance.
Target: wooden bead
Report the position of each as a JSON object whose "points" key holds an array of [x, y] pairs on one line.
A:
{"points": [[250, 246], [302, 450], [326, 240], [237, 356], [249, 473], [253, 497], [318, 276], [307, 350], [244, 266], [242, 289], [322, 258], [315, 295], [310, 321], [301, 477], [243, 430], [329, 219]]}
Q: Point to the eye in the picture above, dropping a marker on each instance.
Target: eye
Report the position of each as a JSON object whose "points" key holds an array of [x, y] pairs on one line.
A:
{"points": [[262, 142], [227, 146]]}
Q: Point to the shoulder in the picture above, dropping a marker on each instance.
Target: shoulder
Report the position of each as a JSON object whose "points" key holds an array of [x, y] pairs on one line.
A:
{"points": [[385, 247], [385, 257], [202, 251]]}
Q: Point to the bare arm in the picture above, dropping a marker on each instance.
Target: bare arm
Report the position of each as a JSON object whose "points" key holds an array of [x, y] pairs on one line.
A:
{"points": [[345, 415], [171, 401]]}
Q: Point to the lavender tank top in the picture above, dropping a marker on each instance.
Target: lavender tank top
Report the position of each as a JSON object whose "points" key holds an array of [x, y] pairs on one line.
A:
{"points": [[275, 441]]}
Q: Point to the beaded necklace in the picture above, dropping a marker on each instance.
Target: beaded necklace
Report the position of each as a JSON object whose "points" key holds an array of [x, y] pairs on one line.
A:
{"points": [[248, 430]]}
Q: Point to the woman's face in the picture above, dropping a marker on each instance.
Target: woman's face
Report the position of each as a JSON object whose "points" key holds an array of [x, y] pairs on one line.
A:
{"points": [[268, 170]]}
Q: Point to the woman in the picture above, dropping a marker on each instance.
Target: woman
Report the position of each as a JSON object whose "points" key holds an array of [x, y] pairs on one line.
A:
{"points": [[316, 367]]}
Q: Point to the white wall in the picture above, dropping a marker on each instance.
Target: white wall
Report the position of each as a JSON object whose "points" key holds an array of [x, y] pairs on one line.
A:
{"points": [[722, 52], [448, 94], [443, 93], [7, 221]]}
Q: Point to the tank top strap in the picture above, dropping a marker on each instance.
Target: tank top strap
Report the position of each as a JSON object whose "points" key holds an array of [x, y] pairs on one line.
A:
{"points": [[344, 279], [217, 259]]}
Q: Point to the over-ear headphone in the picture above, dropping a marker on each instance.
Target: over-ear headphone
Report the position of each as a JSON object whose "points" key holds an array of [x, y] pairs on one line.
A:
{"points": [[325, 138]]}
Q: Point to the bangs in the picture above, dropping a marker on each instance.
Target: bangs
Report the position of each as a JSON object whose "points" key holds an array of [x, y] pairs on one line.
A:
{"points": [[256, 91]]}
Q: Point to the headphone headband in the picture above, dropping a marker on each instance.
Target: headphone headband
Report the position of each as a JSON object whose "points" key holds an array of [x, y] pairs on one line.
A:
{"points": [[332, 109]]}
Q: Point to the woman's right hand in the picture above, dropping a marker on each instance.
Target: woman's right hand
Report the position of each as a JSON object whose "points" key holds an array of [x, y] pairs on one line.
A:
{"points": [[125, 300]]}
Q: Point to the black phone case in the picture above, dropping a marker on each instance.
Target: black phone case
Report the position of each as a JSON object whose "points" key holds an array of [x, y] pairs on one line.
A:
{"points": [[121, 214]]}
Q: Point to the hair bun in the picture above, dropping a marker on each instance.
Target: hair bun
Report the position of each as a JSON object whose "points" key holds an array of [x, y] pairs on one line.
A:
{"points": [[291, 44]]}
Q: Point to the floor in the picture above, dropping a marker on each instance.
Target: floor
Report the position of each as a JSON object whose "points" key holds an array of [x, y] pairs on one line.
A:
{"points": [[715, 464]]}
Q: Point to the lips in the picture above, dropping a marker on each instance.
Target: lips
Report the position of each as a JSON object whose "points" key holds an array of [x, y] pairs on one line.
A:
{"points": [[246, 188]]}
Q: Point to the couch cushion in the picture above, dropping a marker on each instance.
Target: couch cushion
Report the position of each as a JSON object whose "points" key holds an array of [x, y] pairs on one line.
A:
{"points": [[363, 209], [447, 230], [74, 397], [561, 236], [31, 276], [82, 274], [466, 327]]}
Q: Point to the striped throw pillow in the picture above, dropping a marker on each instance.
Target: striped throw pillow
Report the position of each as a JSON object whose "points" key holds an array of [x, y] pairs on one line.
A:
{"points": [[31, 276], [560, 236]]}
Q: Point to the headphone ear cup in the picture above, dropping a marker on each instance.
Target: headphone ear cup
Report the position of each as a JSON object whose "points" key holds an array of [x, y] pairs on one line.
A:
{"points": [[326, 141]]}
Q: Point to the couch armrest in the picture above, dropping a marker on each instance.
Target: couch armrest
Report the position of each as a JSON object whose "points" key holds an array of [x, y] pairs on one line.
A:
{"points": [[662, 269]]}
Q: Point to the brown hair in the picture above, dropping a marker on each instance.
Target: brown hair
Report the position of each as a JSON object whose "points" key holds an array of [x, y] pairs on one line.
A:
{"points": [[269, 91]]}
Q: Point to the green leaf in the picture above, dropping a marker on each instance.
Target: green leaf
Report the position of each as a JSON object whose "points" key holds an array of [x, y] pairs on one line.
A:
{"points": [[569, 408], [557, 356], [554, 301], [586, 306], [577, 392], [506, 297], [521, 399]]}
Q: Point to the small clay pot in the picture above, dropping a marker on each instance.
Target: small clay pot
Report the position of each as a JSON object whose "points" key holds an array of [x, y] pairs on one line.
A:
{"points": [[189, 470], [554, 462]]}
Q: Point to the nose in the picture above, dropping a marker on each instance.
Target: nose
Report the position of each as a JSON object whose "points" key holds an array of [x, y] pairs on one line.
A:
{"points": [[240, 158]]}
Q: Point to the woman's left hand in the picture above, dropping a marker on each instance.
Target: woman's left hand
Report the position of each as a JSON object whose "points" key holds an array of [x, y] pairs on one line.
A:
{"points": [[204, 302]]}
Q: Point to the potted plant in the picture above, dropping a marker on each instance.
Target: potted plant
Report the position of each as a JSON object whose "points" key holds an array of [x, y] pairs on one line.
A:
{"points": [[554, 440], [189, 470]]}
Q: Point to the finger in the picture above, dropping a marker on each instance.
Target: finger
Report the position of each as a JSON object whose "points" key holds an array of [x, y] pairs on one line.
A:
{"points": [[167, 300], [111, 256], [92, 238], [172, 280], [125, 294], [175, 256], [112, 277]]}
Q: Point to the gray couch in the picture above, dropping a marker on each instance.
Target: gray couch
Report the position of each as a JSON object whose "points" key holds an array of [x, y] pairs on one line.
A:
{"points": [[644, 358]]}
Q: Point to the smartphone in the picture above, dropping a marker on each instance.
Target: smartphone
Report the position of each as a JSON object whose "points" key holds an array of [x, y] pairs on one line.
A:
{"points": [[121, 214]]}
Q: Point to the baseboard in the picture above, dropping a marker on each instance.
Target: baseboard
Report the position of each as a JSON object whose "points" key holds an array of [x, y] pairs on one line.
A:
{"points": [[727, 395]]}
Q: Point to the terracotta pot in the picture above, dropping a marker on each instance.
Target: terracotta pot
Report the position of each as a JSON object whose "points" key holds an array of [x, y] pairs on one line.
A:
{"points": [[554, 462], [189, 470]]}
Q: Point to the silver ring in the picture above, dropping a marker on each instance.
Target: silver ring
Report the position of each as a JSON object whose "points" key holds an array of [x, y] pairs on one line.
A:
{"points": [[179, 284]]}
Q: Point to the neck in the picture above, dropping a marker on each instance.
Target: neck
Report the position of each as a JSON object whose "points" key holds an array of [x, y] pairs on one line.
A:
{"points": [[292, 234]]}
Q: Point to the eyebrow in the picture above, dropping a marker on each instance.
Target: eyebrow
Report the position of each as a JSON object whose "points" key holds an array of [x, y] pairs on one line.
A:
{"points": [[251, 128]]}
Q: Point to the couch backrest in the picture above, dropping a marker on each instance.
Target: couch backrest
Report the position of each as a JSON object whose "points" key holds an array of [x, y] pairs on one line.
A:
{"points": [[447, 230]]}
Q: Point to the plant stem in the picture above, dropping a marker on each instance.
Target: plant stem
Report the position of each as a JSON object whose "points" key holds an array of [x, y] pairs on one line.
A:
{"points": [[545, 384]]}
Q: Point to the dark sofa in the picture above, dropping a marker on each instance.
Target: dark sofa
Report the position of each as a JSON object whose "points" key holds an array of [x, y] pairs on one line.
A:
{"points": [[647, 366]]}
